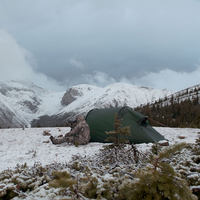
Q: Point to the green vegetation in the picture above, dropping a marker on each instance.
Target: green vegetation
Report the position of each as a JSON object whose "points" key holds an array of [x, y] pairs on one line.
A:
{"points": [[119, 151], [117, 136]]}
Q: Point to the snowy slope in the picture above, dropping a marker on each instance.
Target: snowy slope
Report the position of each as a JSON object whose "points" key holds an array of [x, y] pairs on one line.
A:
{"points": [[189, 93], [10, 116], [22, 101], [114, 95], [31, 99]]}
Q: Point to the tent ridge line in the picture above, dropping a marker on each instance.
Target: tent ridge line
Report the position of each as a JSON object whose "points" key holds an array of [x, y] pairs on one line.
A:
{"points": [[122, 109]]}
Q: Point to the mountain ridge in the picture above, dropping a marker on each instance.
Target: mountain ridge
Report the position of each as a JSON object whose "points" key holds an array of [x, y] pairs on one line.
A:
{"points": [[180, 109], [24, 103]]}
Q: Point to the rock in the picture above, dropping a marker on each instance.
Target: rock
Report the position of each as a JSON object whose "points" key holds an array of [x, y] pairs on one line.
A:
{"points": [[163, 143], [60, 136], [46, 133], [70, 96], [46, 141], [181, 137]]}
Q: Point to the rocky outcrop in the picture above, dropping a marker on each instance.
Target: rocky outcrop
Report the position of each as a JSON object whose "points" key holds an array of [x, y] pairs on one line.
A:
{"points": [[32, 105], [70, 96]]}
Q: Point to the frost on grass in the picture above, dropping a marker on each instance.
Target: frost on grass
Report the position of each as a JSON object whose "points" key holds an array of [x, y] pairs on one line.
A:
{"points": [[168, 173]]}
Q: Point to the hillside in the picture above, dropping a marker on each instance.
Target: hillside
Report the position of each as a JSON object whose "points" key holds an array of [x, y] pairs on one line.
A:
{"points": [[23, 101], [180, 109]]}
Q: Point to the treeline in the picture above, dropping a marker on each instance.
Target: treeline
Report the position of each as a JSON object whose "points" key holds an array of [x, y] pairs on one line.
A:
{"points": [[174, 112]]}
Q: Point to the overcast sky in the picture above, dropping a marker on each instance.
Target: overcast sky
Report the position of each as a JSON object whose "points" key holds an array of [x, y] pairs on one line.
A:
{"points": [[60, 43]]}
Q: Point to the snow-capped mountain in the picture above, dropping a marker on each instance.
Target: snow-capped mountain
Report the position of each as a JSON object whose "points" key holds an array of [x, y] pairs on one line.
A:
{"points": [[114, 95], [82, 98], [23, 103]]}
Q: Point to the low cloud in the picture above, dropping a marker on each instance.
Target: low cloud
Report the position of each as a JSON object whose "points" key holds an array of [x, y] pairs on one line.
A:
{"points": [[13, 61], [98, 78], [75, 63], [17, 63], [164, 79], [169, 79]]}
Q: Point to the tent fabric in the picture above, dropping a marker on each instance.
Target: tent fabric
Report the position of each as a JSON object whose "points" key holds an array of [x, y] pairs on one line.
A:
{"points": [[101, 120]]}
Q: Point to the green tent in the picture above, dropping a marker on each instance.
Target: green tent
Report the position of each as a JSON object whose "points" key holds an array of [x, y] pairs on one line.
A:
{"points": [[101, 120]]}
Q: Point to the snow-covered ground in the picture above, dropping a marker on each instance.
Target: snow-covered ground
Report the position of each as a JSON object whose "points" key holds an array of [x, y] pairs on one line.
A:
{"points": [[29, 146]]}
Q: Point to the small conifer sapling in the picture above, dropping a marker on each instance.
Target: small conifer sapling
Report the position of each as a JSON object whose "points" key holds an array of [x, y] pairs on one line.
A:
{"points": [[117, 136]]}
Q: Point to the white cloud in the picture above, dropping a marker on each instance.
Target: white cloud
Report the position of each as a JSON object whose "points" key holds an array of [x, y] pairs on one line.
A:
{"points": [[98, 78], [16, 63], [78, 64], [164, 79], [170, 79], [13, 62]]}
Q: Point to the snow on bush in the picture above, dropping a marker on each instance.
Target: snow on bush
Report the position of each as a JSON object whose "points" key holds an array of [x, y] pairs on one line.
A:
{"points": [[164, 175]]}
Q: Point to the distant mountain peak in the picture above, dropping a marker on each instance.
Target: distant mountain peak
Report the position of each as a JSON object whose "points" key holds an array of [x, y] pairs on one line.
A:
{"points": [[25, 101]]}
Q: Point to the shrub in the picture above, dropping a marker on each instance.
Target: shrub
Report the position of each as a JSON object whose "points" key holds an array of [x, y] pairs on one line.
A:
{"points": [[160, 181]]}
